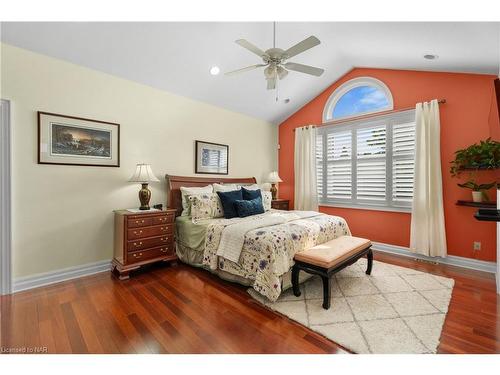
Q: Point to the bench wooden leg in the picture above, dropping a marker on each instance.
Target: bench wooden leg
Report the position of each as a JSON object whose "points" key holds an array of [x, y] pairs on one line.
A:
{"points": [[295, 281], [369, 256], [326, 292]]}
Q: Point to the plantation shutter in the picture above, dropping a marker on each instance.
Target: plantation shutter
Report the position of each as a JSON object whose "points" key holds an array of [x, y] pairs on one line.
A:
{"points": [[367, 162], [339, 165], [403, 161], [319, 165], [371, 164]]}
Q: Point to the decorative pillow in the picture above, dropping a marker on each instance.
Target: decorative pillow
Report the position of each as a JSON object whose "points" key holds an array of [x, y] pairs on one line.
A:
{"points": [[225, 187], [266, 200], [217, 206], [202, 207], [227, 199], [185, 191], [250, 194], [205, 206], [246, 208]]}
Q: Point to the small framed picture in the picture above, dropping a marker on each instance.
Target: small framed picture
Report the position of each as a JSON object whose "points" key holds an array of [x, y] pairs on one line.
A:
{"points": [[211, 158], [68, 140]]}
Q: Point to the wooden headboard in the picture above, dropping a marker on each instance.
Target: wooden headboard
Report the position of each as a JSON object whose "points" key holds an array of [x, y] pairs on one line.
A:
{"points": [[174, 184]]}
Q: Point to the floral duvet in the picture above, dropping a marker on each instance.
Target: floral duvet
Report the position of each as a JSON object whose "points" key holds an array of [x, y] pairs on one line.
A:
{"points": [[268, 252]]}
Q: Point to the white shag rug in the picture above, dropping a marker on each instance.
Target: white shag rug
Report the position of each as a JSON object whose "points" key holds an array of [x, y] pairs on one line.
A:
{"points": [[394, 310]]}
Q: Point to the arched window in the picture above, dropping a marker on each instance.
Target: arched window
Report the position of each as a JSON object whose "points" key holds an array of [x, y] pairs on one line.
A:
{"points": [[359, 96]]}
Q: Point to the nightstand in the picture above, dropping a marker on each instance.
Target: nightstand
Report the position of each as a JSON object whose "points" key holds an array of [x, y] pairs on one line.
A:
{"points": [[280, 204], [142, 238]]}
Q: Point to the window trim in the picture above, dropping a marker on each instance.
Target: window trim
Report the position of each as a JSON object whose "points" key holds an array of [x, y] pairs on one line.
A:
{"points": [[354, 125], [349, 85]]}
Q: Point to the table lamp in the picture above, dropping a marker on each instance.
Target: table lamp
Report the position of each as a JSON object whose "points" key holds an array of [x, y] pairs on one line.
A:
{"points": [[274, 179], [144, 175]]}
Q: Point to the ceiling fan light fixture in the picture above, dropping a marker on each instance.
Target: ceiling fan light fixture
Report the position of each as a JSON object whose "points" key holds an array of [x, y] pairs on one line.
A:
{"points": [[270, 72], [282, 72]]}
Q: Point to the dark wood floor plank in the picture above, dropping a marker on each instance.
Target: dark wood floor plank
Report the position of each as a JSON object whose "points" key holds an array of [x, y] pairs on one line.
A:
{"points": [[180, 309], [153, 344], [73, 329], [53, 324]]}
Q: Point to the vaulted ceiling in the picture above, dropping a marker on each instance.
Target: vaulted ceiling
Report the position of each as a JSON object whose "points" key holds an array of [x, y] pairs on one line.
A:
{"points": [[176, 57]]}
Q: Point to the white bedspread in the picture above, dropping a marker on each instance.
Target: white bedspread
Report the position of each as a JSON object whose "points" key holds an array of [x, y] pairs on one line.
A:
{"points": [[233, 236]]}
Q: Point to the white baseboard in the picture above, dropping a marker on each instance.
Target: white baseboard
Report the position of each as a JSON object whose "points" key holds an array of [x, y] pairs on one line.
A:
{"points": [[452, 260], [41, 279]]}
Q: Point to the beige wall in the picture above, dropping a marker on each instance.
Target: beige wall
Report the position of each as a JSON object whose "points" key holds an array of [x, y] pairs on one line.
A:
{"points": [[62, 215]]}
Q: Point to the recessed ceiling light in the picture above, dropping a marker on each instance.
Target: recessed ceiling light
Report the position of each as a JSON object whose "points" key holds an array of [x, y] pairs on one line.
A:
{"points": [[431, 57], [214, 70]]}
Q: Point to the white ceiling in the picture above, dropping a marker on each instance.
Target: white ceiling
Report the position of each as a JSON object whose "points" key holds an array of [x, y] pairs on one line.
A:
{"points": [[177, 56]]}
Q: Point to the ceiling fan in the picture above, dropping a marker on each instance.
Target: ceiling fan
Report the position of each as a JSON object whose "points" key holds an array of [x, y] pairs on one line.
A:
{"points": [[276, 60]]}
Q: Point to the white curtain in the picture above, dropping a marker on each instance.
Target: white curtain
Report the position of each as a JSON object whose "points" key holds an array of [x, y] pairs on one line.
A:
{"points": [[306, 191], [428, 235]]}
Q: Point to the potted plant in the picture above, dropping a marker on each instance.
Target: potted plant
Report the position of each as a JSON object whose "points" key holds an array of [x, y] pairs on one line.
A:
{"points": [[485, 155], [478, 191]]}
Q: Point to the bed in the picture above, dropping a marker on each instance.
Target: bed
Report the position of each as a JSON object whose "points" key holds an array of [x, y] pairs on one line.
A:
{"points": [[268, 241]]}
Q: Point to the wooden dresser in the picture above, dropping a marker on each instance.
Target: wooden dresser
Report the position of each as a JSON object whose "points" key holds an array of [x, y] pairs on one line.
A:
{"points": [[142, 238]]}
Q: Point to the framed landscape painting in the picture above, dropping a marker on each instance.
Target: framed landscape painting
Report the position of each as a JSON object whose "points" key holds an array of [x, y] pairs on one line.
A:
{"points": [[68, 140], [211, 158]]}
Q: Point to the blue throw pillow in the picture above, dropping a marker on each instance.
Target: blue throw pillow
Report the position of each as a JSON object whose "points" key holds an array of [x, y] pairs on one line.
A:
{"points": [[227, 199], [248, 195], [250, 207]]}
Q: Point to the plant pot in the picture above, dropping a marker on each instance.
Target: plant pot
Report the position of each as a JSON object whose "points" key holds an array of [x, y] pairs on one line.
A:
{"points": [[477, 196]]}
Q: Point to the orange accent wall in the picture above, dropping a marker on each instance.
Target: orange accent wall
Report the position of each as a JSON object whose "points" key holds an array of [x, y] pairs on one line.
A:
{"points": [[469, 115]]}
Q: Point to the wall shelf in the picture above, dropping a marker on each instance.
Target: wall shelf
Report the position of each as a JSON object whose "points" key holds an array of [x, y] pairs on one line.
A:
{"points": [[476, 169], [482, 217], [477, 205]]}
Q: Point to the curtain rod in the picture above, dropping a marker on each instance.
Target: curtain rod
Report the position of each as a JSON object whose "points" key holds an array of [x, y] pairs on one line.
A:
{"points": [[440, 101]]}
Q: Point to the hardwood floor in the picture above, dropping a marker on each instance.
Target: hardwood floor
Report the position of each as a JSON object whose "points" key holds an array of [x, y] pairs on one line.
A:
{"points": [[181, 309]]}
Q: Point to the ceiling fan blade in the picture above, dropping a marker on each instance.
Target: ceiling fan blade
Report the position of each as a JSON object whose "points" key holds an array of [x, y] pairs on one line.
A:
{"points": [[304, 69], [249, 46], [246, 69], [282, 72], [271, 83], [300, 47]]}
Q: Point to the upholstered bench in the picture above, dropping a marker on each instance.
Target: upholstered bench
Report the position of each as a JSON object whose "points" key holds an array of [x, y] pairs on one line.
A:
{"points": [[328, 258]]}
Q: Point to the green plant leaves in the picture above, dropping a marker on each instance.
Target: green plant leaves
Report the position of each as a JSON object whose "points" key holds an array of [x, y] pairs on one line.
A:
{"points": [[485, 155]]}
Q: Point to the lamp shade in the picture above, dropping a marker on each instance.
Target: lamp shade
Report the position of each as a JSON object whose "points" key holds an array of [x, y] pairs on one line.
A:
{"points": [[143, 174], [274, 178]]}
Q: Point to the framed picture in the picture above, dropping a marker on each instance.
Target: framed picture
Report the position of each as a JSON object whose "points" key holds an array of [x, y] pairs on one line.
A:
{"points": [[68, 140], [211, 158]]}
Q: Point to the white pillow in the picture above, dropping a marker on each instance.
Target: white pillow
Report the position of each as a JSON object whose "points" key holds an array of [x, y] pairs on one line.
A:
{"points": [[266, 186], [185, 191], [225, 187], [267, 197]]}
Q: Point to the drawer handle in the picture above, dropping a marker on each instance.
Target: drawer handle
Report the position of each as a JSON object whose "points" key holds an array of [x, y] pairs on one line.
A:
{"points": [[163, 228], [139, 221], [138, 255], [163, 250], [164, 239], [135, 232], [135, 244]]}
